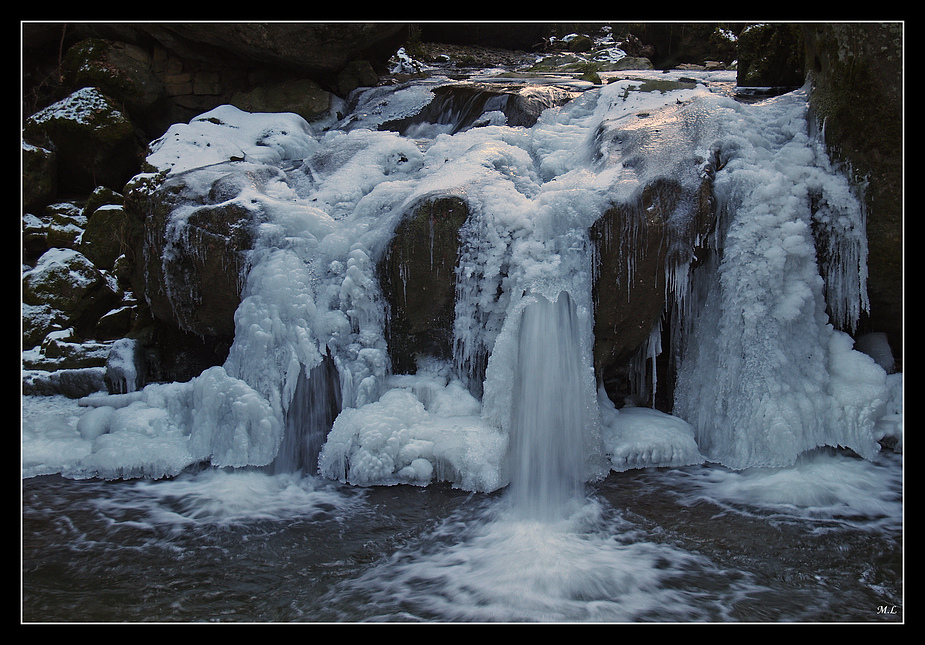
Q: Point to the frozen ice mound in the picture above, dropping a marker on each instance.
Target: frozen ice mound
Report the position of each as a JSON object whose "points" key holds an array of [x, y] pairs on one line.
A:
{"points": [[646, 438]]}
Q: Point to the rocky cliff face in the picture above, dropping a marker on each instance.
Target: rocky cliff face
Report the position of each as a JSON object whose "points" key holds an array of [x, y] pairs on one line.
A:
{"points": [[165, 73], [857, 77], [95, 94]]}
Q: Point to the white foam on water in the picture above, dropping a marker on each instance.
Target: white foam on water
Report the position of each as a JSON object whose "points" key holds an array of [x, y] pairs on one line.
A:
{"points": [[583, 567]]}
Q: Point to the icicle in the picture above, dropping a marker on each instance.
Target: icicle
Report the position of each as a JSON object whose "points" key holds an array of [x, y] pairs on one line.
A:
{"points": [[764, 374]]}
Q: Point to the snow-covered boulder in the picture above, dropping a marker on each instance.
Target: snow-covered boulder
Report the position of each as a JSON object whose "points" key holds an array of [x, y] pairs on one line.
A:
{"points": [[64, 280], [95, 141]]}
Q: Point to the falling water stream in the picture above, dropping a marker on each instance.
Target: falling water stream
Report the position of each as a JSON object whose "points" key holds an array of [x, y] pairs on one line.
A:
{"points": [[548, 415], [407, 498]]}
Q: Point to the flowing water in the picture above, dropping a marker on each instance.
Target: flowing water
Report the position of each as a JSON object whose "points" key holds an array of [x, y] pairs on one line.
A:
{"points": [[821, 542], [548, 414]]}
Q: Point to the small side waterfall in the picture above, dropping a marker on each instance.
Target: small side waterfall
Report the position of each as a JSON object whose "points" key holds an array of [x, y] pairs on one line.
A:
{"points": [[547, 416], [315, 405]]}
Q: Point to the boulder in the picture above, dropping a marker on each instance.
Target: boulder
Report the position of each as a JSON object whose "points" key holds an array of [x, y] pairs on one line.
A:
{"points": [[116, 323], [580, 43], [418, 277], [63, 350], [195, 245], [627, 63], [464, 105], [38, 321], [95, 142], [108, 234], [358, 73], [122, 71], [64, 223], [39, 176], [34, 237], [72, 383], [304, 97], [65, 281]]}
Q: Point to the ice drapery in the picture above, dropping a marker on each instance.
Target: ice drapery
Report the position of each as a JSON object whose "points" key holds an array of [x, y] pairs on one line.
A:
{"points": [[764, 374]]}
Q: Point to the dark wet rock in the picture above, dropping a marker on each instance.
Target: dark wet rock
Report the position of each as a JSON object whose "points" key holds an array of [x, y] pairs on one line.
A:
{"points": [[636, 245], [418, 276], [94, 141], [194, 249], [304, 97], [72, 383], [39, 177], [109, 233], [856, 71]]}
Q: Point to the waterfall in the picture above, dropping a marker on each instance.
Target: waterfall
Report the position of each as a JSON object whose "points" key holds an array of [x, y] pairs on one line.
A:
{"points": [[315, 404], [762, 375], [548, 414]]}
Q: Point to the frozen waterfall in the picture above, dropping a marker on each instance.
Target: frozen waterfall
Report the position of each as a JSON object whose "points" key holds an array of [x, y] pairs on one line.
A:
{"points": [[763, 375]]}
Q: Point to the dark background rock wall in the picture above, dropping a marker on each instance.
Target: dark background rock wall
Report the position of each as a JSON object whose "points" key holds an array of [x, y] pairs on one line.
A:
{"points": [[856, 71]]}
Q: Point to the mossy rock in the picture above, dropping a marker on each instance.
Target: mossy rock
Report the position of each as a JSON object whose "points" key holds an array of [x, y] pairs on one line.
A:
{"points": [[121, 70], [65, 224], [771, 55], [39, 176], [66, 281], [857, 92], [110, 233], [95, 142]]}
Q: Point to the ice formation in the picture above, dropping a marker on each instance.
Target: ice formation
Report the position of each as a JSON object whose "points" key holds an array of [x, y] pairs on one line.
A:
{"points": [[764, 376]]}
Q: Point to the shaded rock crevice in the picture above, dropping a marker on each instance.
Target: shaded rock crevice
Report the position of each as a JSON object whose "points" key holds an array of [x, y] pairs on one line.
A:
{"points": [[418, 278], [640, 253]]}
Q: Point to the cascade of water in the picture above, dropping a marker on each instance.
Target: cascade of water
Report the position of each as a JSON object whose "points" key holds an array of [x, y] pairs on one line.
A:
{"points": [[314, 406], [548, 414]]}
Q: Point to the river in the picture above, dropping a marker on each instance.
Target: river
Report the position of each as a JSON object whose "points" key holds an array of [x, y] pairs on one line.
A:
{"points": [[696, 544]]}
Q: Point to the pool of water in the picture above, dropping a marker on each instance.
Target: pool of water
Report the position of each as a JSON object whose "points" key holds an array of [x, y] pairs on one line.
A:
{"points": [[821, 542]]}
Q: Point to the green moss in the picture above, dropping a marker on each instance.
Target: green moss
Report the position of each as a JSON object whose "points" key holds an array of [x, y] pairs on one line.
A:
{"points": [[79, 56]]}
